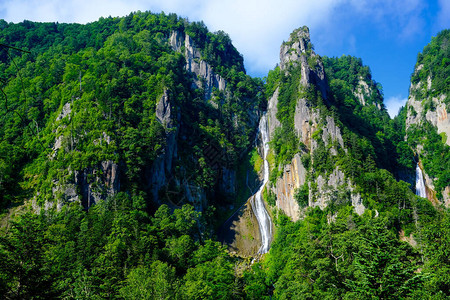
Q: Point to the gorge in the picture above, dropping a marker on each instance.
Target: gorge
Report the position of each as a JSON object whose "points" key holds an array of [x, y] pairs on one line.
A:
{"points": [[139, 160]]}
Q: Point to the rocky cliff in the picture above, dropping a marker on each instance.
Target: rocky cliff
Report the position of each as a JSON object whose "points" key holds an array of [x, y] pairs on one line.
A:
{"points": [[298, 50], [427, 118], [437, 113], [204, 76], [310, 127]]}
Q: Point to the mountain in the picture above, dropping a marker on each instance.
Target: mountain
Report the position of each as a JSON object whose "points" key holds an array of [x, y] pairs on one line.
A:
{"points": [[129, 146], [427, 122]]}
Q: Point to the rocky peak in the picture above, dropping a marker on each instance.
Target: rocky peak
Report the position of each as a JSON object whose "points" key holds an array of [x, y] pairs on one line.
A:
{"points": [[298, 51], [163, 110], [298, 43]]}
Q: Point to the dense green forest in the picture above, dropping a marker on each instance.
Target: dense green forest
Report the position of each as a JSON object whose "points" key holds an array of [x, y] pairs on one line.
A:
{"points": [[77, 98]]}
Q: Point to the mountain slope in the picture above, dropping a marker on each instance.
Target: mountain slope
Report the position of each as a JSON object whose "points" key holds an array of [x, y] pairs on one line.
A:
{"points": [[146, 103], [427, 121], [359, 233], [126, 143]]}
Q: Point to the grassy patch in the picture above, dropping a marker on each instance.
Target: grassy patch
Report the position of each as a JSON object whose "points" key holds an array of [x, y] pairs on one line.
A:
{"points": [[444, 137]]}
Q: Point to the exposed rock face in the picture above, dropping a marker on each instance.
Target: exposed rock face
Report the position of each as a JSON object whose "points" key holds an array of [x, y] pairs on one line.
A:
{"points": [[104, 183], [438, 116], [305, 121], [331, 134], [298, 51], [326, 189], [241, 232], [272, 113], [163, 111], [205, 77], [335, 189], [162, 166], [294, 176], [86, 186], [362, 91], [66, 110]]}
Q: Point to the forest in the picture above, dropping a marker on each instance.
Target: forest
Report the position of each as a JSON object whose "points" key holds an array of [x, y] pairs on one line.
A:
{"points": [[82, 216]]}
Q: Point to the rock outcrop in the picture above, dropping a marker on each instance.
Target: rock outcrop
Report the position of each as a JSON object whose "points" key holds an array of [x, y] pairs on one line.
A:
{"points": [[272, 110], [161, 168], [363, 90], [438, 117], [298, 52], [434, 112], [241, 232], [204, 76], [294, 176]]}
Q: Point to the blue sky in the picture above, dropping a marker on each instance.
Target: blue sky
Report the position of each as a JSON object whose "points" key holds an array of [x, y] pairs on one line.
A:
{"points": [[386, 34]]}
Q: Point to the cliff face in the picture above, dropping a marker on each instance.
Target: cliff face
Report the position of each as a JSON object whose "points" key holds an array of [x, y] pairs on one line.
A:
{"points": [[165, 125], [309, 126], [437, 114], [298, 50], [294, 176], [204, 76], [427, 120], [162, 166], [88, 185]]}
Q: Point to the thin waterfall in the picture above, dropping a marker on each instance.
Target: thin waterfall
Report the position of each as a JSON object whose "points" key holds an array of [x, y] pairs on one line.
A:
{"points": [[420, 184], [264, 221]]}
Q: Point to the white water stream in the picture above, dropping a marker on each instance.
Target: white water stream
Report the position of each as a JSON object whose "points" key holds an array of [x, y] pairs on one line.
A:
{"points": [[264, 221], [420, 184]]}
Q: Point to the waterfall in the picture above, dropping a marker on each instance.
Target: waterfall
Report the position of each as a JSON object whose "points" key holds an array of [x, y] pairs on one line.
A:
{"points": [[420, 184], [264, 221]]}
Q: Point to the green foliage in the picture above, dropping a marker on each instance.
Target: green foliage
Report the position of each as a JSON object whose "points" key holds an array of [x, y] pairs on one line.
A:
{"points": [[272, 82], [352, 257], [435, 155], [87, 94], [435, 63], [285, 144], [269, 196], [115, 249], [94, 89], [301, 195], [158, 282]]}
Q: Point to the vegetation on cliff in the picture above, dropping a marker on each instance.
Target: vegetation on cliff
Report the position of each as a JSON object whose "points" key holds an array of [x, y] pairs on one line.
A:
{"points": [[116, 93]]}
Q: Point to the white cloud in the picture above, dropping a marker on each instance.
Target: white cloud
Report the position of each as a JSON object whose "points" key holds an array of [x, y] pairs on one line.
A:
{"points": [[393, 104], [257, 27]]}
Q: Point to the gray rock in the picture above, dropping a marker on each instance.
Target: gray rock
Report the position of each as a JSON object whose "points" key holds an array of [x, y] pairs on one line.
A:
{"points": [[204, 76], [272, 111], [163, 110], [298, 51]]}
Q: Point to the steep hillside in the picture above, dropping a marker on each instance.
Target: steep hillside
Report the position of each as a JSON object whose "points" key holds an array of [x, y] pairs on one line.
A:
{"points": [[128, 144], [427, 121], [359, 233], [114, 137], [329, 131], [144, 104]]}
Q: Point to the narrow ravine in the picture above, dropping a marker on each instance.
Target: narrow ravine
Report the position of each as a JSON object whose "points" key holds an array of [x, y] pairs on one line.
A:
{"points": [[264, 221], [420, 184]]}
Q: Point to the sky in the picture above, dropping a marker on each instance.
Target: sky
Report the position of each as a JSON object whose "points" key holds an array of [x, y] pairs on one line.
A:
{"points": [[386, 34]]}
